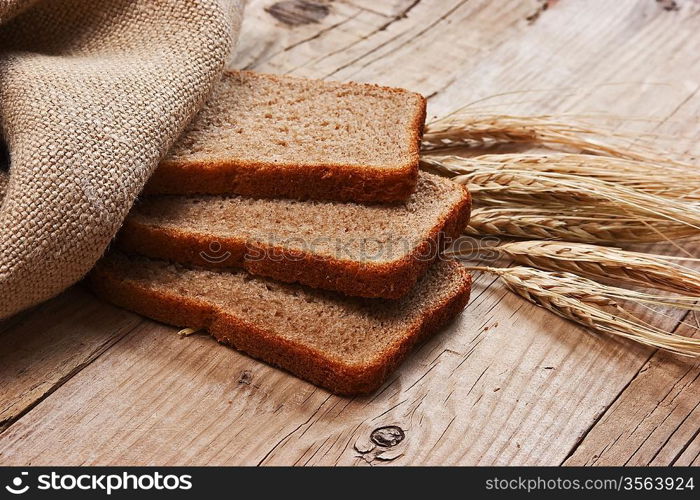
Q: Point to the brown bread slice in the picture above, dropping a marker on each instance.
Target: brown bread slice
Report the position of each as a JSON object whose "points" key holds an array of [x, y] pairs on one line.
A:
{"points": [[367, 251], [280, 136], [347, 345]]}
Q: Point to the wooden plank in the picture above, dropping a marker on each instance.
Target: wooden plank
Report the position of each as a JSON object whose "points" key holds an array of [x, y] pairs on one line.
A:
{"points": [[400, 51], [507, 383], [157, 398], [45, 346], [161, 399], [656, 418], [267, 33], [691, 455]]}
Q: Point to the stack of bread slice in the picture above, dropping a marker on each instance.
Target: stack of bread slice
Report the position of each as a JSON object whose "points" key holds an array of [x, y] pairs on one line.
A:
{"points": [[291, 222]]}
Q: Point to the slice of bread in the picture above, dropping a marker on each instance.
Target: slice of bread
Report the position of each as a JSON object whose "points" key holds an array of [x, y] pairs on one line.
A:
{"points": [[367, 251], [279, 136], [347, 345]]}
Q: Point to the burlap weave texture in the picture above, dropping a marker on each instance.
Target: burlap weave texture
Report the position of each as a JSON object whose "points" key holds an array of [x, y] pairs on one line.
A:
{"points": [[92, 95]]}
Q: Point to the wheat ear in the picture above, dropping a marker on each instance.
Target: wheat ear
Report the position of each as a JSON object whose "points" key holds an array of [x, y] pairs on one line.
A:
{"points": [[590, 304], [495, 185], [606, 263], [673, 182], [484, 130], [585, 224]]}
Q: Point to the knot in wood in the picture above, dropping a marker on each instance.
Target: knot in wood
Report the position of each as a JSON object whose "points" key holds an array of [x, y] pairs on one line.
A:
{"points": [[387, 436], [298, 12], [246, 377]]}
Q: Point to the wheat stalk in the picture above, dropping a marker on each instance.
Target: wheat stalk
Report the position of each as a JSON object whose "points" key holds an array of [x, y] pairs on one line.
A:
{"points": [[605, 263], [484, 130], [591, 304], [503, 184], [673, 182], [585, 224]]}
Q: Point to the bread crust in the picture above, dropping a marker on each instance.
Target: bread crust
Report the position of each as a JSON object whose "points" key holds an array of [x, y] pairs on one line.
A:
{"points": [[297, 181], [390, 280], [318, 181], [298, 359]]}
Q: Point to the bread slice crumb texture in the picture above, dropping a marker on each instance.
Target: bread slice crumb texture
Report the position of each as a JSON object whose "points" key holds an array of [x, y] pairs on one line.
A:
{"points": [[272, 135], [347, 345], [370, 251]]}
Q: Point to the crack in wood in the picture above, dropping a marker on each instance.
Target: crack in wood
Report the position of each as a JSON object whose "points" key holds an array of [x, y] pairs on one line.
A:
{"points": [[402, 15], [6, 423], [686, 445], [290, 434], [644, 368], [383, 44]]}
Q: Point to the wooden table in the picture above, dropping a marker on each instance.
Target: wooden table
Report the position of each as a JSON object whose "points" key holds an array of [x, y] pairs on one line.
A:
{"points": [[87, 383]]}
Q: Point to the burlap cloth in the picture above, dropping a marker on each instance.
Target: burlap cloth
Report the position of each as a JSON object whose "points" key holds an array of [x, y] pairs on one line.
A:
{"points": [[92, 94]]}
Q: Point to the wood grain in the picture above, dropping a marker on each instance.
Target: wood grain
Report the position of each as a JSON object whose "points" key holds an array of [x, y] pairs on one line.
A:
{"points": [[185, 400], [161, 399], [691, 454], [44, 347], [507, 383], [655, 419]]}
